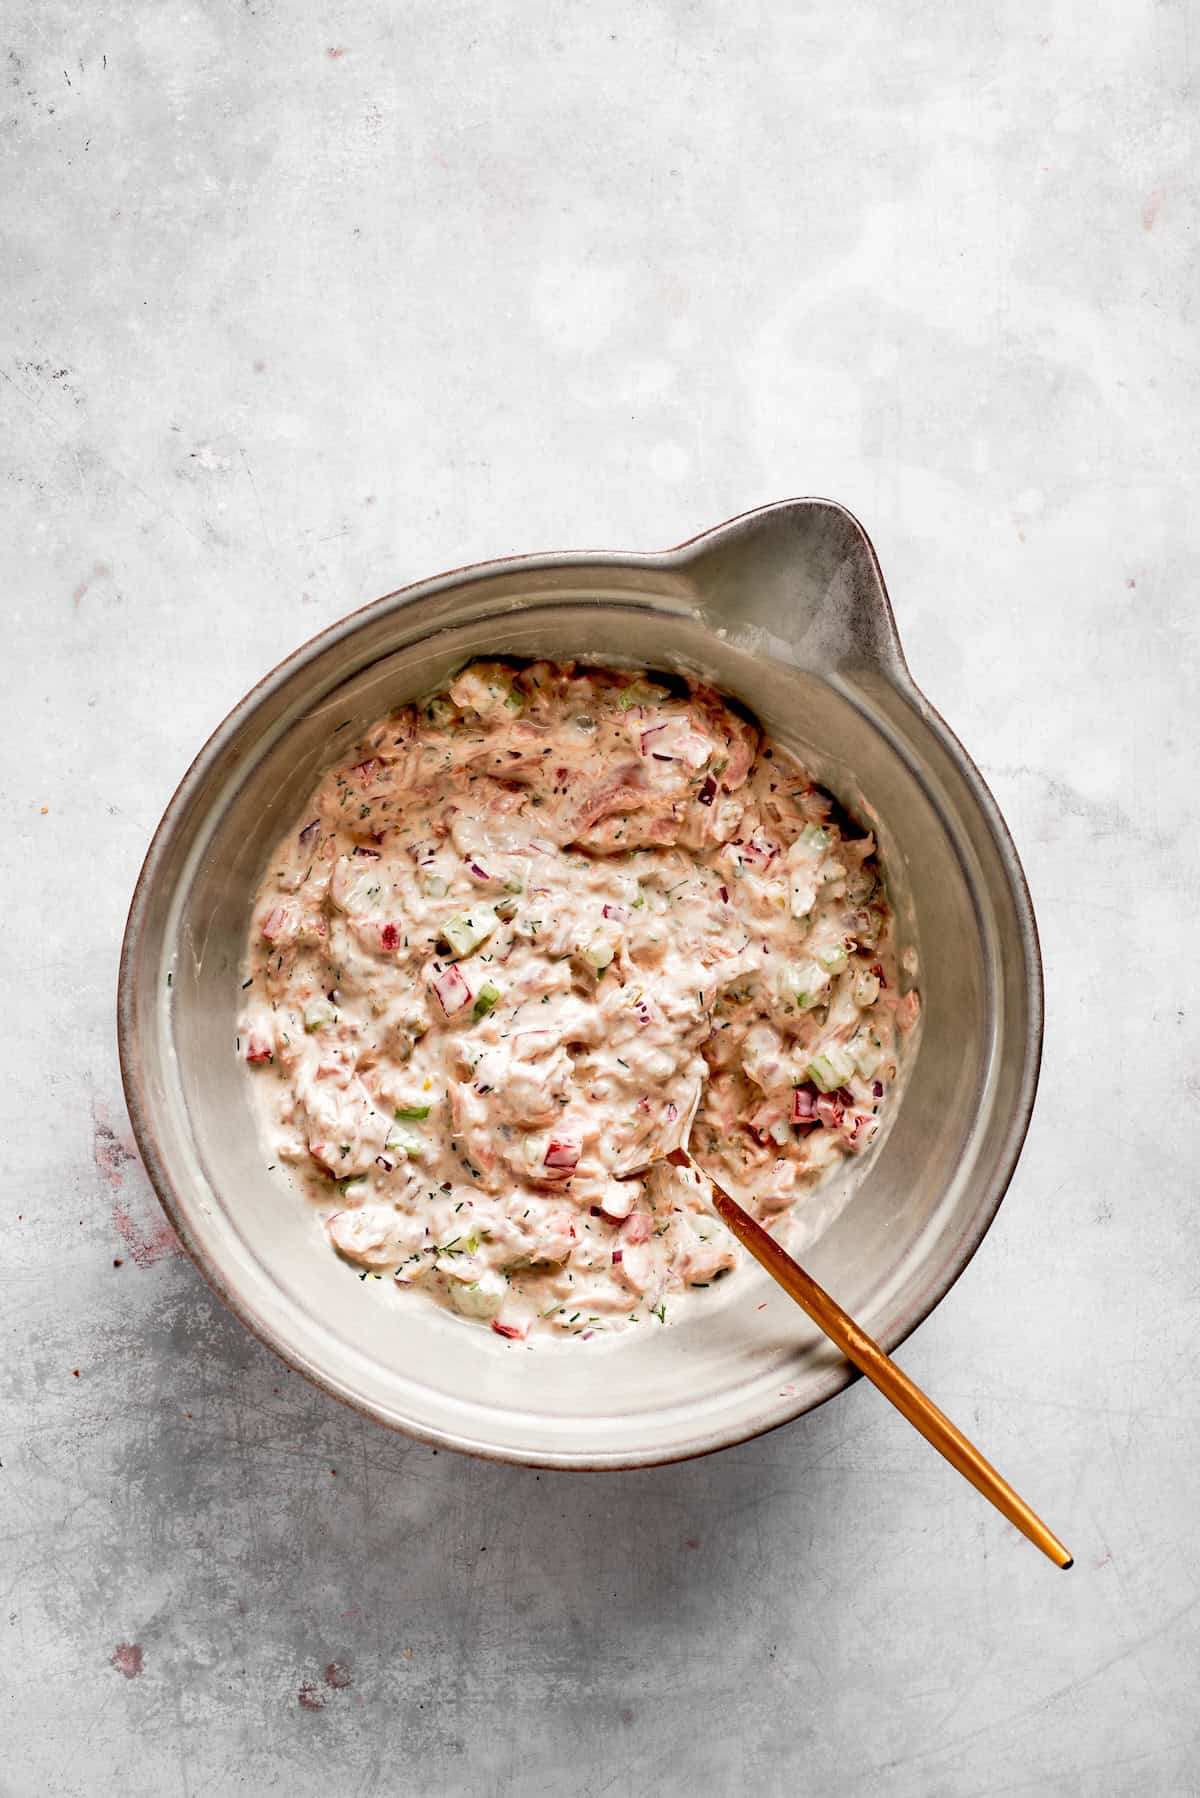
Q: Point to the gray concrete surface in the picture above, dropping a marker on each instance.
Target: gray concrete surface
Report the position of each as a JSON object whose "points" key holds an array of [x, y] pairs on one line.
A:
{"points": [[302, 303]]}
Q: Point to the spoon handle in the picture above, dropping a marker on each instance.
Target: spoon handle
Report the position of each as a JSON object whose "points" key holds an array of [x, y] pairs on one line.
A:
{"points": [[883, 1372]]}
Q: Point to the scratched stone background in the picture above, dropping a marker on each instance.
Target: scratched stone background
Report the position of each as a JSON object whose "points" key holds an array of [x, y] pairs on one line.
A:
{"points": [[302, 302]]}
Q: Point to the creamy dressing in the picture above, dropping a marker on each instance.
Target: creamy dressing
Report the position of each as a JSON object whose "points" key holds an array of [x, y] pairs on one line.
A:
{"points": [[517, 938]]}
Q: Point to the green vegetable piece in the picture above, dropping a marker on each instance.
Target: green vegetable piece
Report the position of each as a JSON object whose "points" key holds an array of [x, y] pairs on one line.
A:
{"points": [[830, 1069], [814, 839], [640, 693], [466, 930], [318, 1013], [404, 1142], [485, 999], [864, 987], [416, 1113]]}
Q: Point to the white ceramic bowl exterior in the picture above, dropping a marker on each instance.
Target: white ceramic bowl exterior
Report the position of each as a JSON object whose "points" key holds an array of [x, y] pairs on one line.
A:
{"points": [[785, 608]]}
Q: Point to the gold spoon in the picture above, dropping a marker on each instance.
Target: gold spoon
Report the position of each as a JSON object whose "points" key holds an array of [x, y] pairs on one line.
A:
{"points": [[871, 1360]]}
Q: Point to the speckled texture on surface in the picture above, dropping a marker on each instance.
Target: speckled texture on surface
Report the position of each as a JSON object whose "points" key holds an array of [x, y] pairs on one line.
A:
{"points": [[300, 305]]}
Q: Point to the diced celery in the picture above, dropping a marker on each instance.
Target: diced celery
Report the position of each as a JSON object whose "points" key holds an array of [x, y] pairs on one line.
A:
{"points": [[864, 988], [866, 1054], [597, 954], [485, 998], [803, 983], [780, 1131], [414, 1113], [814, 839], [433, 886], [832, 958], [404, 1142], [640, 693], [480, 1298], [467, 929], [318, 1013], [830, 1069]]}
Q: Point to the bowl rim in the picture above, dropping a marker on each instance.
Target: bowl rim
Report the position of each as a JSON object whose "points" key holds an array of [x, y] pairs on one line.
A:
{"points": [[895, 669]]}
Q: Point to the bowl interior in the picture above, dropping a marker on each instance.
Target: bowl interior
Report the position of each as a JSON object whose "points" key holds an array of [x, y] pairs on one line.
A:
{"points": [[729, 1369]]}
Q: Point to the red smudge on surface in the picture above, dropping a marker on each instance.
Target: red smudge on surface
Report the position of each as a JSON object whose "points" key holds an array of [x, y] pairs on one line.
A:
{"points": [[127, 1659], [146, 1246], [310, 1697], [1152, 208], [79, 592], [111, 1154], [334, 52], [147, 1242], [691, 1542], [337, 1677]]}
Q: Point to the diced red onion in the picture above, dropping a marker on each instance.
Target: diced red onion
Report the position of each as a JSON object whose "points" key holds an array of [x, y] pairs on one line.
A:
{"points": [[804, 1104], [367, 770], [310, 833], [879, 975], [389, 937], [618, 1257], [863, 1132], [383, 1162], [830, 1111], [760, 852], [258, 1049], [655, 757], [877, 1089], [371, 854], [452, 990], [672, 1114], [844, 1096], [708, 791], [513, 1331], [617, 912], [724, 892], [274, 924], [478, 872], [562, 1154]]}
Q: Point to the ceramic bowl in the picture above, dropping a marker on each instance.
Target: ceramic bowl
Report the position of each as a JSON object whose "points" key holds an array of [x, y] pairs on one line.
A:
{"points": [[785, 608]]}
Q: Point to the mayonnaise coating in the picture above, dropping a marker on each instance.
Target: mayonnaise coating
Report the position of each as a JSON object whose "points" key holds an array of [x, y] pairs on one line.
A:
{"points": [[518, 935]]}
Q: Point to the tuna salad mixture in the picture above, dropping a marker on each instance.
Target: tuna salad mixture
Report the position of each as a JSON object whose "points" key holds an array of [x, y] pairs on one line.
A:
{"points": [[519, 938]]}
